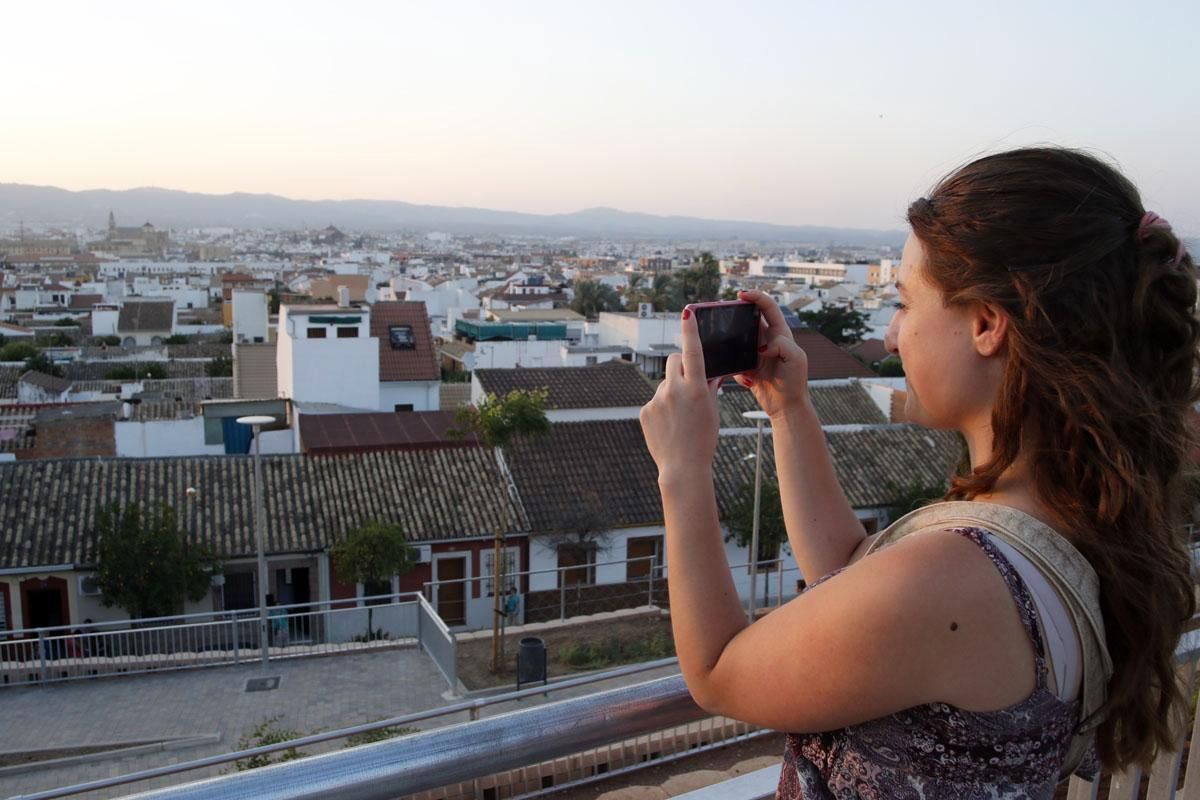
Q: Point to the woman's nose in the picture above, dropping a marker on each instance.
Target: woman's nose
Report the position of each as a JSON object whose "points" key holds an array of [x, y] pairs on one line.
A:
{"points": [[890, 342]]}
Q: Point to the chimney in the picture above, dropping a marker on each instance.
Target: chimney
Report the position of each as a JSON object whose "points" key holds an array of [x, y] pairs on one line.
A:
{"points": [[343, 297]]}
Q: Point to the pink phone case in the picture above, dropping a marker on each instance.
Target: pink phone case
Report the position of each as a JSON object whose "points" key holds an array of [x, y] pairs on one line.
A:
{"points": [[715, 304]]}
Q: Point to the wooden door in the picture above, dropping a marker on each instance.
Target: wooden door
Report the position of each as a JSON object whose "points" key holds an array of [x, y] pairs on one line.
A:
{"points": [[451, 597]]}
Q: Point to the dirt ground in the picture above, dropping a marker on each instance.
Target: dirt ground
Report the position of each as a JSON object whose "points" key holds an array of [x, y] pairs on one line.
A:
{"points": [[720, 759], [474, 657]]}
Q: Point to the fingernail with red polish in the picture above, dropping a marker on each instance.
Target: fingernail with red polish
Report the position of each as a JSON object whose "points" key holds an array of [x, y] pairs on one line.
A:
{"points": [[687, 312]]}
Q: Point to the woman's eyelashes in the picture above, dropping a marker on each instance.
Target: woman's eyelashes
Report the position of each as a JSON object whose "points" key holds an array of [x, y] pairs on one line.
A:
{"points": [[899, 306]]}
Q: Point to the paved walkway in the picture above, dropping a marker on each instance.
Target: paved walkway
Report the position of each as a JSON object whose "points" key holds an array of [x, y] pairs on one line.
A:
{"points": [[314, 694]]}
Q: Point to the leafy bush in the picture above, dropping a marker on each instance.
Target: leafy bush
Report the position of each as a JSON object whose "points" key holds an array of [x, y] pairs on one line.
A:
{"points": [[66, 322], [613, 651], [219, 367], [39, 363], [380, 735], [141, 371], [177, 338], [268, 732], [17, 351], [111, 341]]}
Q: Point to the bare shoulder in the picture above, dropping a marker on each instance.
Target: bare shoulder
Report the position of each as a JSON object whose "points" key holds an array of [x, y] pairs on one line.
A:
{"points": [[928, 619]]}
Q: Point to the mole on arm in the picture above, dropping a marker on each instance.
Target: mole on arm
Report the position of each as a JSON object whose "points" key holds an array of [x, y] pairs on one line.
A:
{"points": [[953, 626]]}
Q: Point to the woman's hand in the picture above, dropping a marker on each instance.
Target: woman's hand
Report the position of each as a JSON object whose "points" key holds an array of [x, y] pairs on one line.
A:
{"points": [[681, 421], [780, 383]]}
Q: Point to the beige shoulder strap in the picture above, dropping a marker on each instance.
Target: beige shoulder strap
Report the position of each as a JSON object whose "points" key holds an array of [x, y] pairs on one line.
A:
{"points": [[1064, 567]]}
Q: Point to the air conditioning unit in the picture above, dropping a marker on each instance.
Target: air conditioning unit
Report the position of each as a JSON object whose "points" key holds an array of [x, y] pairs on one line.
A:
{"points": [[424, 554], [645, 310], [88, 587]]}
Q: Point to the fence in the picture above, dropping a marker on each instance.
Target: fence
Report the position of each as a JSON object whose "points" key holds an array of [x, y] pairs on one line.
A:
{"points": [[570, 599], [189, 641], [578, 740]]}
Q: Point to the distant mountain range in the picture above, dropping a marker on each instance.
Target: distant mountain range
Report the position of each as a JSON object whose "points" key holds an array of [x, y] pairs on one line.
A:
{"points": [[176, 209]]}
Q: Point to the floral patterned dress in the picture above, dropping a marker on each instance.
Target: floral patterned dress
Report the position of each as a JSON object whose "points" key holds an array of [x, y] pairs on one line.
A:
{"points": [[940, 752]]}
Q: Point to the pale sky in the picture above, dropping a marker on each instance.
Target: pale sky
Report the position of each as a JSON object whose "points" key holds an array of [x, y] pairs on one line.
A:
{"points": [[831, 113]]}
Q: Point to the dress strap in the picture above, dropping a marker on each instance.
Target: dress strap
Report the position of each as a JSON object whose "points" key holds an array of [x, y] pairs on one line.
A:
{"points": [[1020, 594]]}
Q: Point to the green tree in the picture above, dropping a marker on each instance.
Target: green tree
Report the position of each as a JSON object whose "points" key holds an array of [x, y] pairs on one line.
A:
{"points": [[111, 341], [219, 367], [592, 297], [634, 289], [772, 533], [17, 351], [701, 283], [729, 293], [56, 339], [177, 338], [144, 562], [130, 372], [497, 420], [66, 322], [371, 554], [891, 368], [273, 300], [838, 324], [913, 496], [39, 363]]}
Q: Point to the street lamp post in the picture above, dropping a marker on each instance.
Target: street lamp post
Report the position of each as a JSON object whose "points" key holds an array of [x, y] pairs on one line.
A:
{"points": [[759, 417], [260, 523]]}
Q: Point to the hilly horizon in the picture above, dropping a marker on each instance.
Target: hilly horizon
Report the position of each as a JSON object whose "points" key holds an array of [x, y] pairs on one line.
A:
{"points": [[176, 208]]}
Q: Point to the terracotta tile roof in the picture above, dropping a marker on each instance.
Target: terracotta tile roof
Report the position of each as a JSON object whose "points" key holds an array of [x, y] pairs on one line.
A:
{"points": [[96, 370], [599, 467], [49, 383], [417, 364], [199, 350], [870, 350], [835, 404], [826, 360], [613, 384], [48, 508], [605, 466], [85, 300], [874, 465], [8, 381], [150, 316], [323, 434]]}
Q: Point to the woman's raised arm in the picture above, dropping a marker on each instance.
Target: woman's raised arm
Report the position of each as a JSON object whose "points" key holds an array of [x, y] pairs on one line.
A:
{"points": [[823, 531]]}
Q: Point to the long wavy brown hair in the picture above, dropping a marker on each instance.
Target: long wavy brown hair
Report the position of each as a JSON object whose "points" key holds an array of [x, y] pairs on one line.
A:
{"points": [[1098, 387]]}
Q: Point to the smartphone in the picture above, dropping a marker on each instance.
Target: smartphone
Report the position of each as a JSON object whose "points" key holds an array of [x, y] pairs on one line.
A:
{"points": [[728, 336]]}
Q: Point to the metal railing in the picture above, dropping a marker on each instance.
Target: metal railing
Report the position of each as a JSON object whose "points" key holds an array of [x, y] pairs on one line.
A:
{"points": [[437, 640], [472, 709], [190, 641], [581, 598]]}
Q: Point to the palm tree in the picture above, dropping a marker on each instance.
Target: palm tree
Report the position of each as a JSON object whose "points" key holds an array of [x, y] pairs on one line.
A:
{"points": [[634, 291]]}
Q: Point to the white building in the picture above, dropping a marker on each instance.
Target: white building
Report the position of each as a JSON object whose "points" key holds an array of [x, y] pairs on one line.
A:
{"points": [[250, 316], [326, 354]]}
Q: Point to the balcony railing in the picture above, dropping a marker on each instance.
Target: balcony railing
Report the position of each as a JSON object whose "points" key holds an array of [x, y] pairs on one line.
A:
{"points": [[66, 653], [508, 753]]}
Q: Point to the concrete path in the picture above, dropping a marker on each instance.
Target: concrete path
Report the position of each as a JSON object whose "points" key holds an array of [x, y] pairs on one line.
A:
{"points": [[314, 694]]}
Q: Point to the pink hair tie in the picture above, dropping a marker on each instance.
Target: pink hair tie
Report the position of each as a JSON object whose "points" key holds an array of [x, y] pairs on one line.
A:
{"points": [[1151, 220]]}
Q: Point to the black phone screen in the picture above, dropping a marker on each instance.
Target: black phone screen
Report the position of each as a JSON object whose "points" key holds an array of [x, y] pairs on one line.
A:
{"points": [[729, 338]]}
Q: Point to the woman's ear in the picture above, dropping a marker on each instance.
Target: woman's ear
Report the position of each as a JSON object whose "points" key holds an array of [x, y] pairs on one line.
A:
{"points": [[989, 329]]}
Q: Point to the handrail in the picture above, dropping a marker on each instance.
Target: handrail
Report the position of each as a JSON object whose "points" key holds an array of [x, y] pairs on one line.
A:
{"points": [[430, 760], [143, 623], [472, 707]]}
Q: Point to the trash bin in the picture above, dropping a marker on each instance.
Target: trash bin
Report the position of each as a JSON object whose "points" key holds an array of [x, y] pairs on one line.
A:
{"points": [[531, 661]]}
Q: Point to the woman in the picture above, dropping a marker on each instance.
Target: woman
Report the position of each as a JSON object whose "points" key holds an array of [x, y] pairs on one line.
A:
{"points": [[1048, 317]]}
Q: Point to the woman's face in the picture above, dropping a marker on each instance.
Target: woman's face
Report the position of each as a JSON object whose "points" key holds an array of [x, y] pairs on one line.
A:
{"points": [[950, 384]]}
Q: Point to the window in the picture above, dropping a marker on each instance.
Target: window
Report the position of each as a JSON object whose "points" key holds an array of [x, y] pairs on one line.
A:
{"points": [[512, 565], [347, 333], [590, 361], [576, 564], [401, 337], [400, 407], [641, 549], [315, 333]]}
